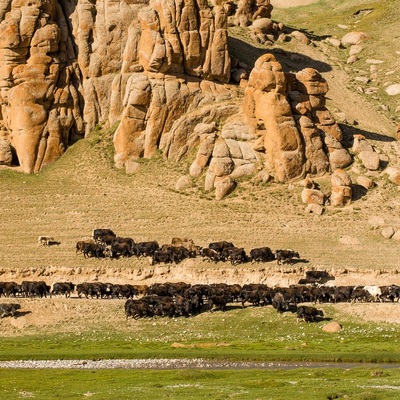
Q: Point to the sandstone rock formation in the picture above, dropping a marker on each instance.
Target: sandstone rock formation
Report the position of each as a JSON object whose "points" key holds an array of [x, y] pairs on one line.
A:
{"points": [[341, 188], [295, 124], [250, 10], [67, 66], [39, 89], [162, 69], [182, 51], [282, 129]]}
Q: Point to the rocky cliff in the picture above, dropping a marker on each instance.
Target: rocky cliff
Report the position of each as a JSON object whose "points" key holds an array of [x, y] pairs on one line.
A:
{"points": [[69, 65], [162, 70]]}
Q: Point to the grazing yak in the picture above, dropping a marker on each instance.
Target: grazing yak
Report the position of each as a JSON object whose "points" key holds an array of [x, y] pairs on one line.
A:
{"points": [[8, 310], [309, 314], [35, 288], [279, 303], [261, 254], [96, 250], [45, 240], [285, 256], [100, 234], [145, 249], [63, 288], [9, 289], [210, 255], [81, 244]]}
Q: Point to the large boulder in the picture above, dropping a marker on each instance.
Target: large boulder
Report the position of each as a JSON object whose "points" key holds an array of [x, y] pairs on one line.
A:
{"points": [[353, 38], [370, 160], [332, 327], [223, 186], [312, 196], [394, 175], [341, 188], [361, 144], [365, 182], [341, 196], [340, 178], [388, 232]]}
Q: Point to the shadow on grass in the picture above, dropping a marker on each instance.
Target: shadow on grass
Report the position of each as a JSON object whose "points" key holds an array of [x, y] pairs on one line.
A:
{"points": [[19, 314], [350, 131], [297, 261], [54, 243], [358, 192], [290, 61]]}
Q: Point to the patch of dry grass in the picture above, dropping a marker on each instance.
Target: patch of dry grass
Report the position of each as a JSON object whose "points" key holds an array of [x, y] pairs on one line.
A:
{"points": [[82, 192]]}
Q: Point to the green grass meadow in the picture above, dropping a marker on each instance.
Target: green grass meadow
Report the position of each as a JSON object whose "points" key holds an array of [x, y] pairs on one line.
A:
{"points": [[258, 334], [301, 384]]}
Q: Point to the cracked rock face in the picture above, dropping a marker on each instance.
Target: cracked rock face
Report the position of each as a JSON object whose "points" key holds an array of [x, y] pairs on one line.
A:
{"points": [[66, 66], [162, 69], [288, 110], [41, 110]]}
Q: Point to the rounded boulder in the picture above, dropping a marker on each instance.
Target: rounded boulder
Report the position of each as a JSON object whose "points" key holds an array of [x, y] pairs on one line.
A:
{"points": [[332, 327], [264, 25], [353, 38]]}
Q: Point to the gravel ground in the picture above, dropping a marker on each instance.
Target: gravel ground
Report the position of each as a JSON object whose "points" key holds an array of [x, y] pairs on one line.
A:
{"points": [[176, 364]]}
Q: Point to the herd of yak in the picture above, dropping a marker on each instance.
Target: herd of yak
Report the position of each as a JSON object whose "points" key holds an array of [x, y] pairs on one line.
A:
{"points": [[182, 299], [106, 243]]}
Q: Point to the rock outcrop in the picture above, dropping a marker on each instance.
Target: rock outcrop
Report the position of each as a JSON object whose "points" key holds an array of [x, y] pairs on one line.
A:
{"points": [[39, 91], [341, 188], [162, 69], [288, 111], [67, 66], [250, 10]]}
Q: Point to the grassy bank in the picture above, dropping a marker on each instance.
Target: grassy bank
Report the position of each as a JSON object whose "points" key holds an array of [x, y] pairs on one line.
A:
{"points": [[354, 384], [258, 334]]}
